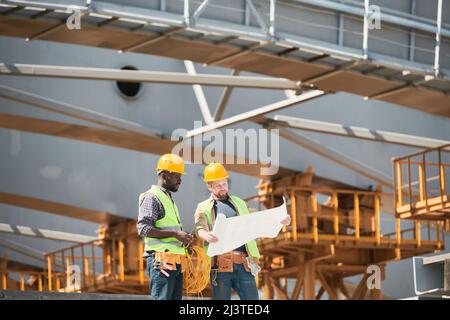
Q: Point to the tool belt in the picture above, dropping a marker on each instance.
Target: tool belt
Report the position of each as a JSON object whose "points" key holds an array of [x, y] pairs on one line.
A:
{"points": [[225, 261], [169, 261]]}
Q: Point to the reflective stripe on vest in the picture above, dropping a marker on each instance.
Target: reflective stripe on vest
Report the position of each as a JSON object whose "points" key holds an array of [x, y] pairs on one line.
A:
{"points": [[153, 242], [170, 221]]}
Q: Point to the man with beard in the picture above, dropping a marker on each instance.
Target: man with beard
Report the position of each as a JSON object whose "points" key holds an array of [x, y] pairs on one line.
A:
{"points": [[160, 225], [236, 269]]}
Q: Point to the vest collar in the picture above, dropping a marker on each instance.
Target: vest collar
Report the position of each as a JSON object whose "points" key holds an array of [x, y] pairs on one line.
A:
{"points": [[163, 190]]}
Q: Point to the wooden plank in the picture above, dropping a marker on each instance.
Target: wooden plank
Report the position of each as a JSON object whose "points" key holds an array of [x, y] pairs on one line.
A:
{"points": [[332, 294], [417, 233], [294, 215], [314, 218], [427, 100], [377, 220], [433, 203], [355, 83], [310, 281], [121, 139], [23, 28], [298, 285], [320, 293], [61, 209], [343, 288], [260, 62], [399, 185], [361, 289], [356, 215], [104, 37], [267, 287], [282, 295], [185, 49], [336, 216]]}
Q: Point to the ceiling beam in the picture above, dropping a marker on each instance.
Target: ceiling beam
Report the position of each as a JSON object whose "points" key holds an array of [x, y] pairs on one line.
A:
{"points": [[255, 113], [74, 111], [125, 140], [335, 156], [220, 109], [45, 234], [159, 144], [199, 94], [62, 209], [22, 249], [146, 76], [356, 132]]}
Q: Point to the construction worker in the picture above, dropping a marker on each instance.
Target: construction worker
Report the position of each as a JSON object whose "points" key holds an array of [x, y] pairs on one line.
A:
{"points": [[160, 225], [236, 269]]}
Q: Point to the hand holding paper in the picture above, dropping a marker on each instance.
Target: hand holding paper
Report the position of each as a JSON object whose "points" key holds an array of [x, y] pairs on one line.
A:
{"points": [[237, 231]]}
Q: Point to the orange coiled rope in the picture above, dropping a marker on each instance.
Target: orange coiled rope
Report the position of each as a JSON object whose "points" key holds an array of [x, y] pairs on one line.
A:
{"points": [[196, 275]]}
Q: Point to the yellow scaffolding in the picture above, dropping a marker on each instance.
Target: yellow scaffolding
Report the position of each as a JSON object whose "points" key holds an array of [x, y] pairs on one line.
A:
{"points": [[421, 185], [335, 233]]}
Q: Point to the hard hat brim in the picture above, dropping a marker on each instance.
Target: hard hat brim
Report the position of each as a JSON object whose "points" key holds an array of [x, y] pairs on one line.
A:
{"points": [[182, 173], [217, 179]]}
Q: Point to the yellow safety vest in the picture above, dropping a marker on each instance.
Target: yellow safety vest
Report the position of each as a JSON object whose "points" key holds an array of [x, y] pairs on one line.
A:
{"points": [[241, 208], [170, 221]]}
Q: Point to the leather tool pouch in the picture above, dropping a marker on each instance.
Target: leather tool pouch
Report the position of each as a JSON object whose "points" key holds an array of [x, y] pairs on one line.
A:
{"points": [[166, 261], [225, 262]]}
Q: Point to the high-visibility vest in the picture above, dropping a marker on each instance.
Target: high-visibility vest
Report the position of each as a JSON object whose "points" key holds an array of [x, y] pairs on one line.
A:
{"points": [[241, 209], [170, 221]]}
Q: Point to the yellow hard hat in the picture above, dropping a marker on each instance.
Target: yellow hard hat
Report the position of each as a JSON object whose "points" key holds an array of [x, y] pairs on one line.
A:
{"points": [[214, 171], [171, 162]]}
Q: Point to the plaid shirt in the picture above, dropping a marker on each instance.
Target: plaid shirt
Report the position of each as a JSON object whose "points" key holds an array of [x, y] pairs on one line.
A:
{"points": [[150, 210]]}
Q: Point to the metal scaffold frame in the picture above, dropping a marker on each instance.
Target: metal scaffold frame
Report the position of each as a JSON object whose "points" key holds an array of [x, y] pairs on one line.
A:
{"points": [[325, 62]]}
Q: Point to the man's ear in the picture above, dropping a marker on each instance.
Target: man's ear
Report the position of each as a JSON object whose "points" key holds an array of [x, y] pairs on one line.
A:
{"points": [[163, 175]]}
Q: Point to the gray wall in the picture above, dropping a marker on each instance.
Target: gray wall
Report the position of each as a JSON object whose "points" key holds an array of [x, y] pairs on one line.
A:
{"points": [[106, 178]]}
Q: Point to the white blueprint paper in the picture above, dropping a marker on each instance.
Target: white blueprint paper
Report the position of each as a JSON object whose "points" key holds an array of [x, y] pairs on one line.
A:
{"points": [[235, 231]]}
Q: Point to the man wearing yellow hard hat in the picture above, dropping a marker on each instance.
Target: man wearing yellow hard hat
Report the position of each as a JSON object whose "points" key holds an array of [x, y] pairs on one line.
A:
{"points": [[160, 225], [235, 269]]}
